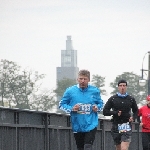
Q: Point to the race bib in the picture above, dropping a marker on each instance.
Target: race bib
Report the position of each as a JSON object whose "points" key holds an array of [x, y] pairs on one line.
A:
{"points": [[124, 127], [85, 109]]}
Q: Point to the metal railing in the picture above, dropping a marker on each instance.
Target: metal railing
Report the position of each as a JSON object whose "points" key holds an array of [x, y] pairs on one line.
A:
{"points": [[34, 130]]}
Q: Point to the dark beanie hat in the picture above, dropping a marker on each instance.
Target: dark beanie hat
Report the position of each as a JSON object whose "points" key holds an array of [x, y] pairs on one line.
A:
{"points": [[122, 81]]}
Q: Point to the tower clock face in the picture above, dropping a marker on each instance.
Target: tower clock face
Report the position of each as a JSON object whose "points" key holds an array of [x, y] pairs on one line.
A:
{"points": [[67, 61]]}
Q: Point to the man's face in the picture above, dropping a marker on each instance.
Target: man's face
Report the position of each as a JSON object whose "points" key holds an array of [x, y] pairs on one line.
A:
{"points": [[122, 88], [83, 81]]}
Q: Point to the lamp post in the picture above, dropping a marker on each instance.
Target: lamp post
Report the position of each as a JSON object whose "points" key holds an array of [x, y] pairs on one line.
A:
{"points": [[142, 82], [149, 73]]}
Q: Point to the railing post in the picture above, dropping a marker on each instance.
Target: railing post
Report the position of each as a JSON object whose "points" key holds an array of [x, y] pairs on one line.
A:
{"points": [[68, 125], [46, 121], [16, 121], [103, 134], [138, 132]]}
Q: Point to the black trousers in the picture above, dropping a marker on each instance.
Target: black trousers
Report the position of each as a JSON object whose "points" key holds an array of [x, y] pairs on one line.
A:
{"points": [[83, 138], [146, 140]]}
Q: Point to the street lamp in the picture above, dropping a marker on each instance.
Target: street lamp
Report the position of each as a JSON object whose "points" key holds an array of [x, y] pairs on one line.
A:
{"points": [[142, 82]]}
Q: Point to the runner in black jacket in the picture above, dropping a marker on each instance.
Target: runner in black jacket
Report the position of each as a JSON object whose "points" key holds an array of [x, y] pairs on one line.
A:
{"points": [[119, 106]]}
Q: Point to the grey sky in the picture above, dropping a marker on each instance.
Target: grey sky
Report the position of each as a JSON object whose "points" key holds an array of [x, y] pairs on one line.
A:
{"points": [[111, 36]]}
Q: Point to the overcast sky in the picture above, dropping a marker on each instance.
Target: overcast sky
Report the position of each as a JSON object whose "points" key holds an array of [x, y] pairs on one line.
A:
{"points": [[111, 36]]}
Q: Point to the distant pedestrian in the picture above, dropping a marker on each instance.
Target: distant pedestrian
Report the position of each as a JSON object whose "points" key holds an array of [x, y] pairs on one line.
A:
{"points": [[119, 106], [83, 102]]}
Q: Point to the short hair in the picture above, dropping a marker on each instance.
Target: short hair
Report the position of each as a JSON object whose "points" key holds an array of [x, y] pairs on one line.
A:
{"points": [[122, 81], [84, 73]]}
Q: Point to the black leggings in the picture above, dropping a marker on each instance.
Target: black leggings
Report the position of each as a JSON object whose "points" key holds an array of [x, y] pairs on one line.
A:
{"points": [[83, 138]]}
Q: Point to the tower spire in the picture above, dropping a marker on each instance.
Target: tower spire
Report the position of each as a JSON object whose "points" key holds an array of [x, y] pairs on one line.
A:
{"points": [[69, 43]]}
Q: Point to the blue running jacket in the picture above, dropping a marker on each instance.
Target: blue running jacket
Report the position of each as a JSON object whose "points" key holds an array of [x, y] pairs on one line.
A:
{"points": [[85, 119]]}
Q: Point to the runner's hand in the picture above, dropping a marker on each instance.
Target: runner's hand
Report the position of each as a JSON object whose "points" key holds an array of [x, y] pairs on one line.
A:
{"points": [[119, 113], [130, 119], [94, 108], [76, 107], [141, 124]]}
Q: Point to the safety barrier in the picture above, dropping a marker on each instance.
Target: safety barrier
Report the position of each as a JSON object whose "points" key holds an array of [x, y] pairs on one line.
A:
{"points": [[35, 130]]}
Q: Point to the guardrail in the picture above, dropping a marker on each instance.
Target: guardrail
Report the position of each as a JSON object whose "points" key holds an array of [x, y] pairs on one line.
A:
{"points": [[35, 130]]}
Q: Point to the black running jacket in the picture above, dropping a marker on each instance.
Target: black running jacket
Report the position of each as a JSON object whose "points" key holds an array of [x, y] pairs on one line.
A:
{"points": [[124, 104]]}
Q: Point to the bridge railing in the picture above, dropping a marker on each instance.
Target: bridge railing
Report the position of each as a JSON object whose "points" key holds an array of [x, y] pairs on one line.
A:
{"points": [[35, 130]]}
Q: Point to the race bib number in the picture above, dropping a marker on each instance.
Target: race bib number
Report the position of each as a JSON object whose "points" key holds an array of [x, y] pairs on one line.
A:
{"points": [[85, 109], [124, 127]]}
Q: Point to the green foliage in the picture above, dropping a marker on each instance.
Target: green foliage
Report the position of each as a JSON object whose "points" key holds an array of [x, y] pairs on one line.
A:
{"points": [[22, 106], [8, 72], [43, 101], [21, 87], [133, 87], [62, 85], [99, 82]]}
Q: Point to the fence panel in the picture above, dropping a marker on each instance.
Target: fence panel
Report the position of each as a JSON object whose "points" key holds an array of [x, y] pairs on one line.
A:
{"points": [[32, 130]]}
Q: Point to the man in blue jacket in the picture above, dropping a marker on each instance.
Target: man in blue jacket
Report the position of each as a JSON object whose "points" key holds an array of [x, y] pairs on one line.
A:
{"points": [[83, 102]]}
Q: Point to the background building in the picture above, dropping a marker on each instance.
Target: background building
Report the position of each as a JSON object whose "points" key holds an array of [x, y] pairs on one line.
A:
{"points": [[68, 67]]}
